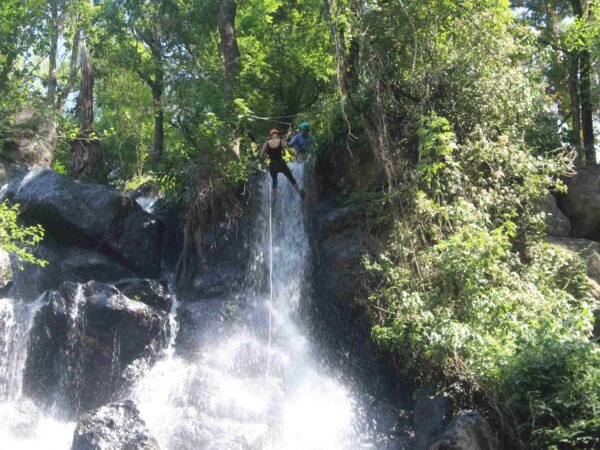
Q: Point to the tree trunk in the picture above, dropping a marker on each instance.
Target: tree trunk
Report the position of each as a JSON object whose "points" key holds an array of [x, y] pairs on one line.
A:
{"points": [[575, 102], [159, 132], [54, 34], [7, 68], [229, 47], [581, 9], [587, 110], [74, 66], [86, 161]]}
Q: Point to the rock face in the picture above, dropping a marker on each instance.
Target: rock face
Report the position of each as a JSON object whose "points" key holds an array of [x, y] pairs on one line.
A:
{"points": [[113, 426], [344, 169], [467, 431], [65, 263], [581, 204], [558, 224], [92, 216], [83, 339], [338, 252], [429, 416], [150, 292], [221, 280]]}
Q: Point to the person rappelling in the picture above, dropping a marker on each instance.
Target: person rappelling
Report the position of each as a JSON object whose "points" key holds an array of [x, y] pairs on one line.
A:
{"points": [[302, 142], [274, 149]]}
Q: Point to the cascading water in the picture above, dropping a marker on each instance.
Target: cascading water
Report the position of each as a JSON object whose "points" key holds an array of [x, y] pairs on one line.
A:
{"points": [[244, 373], [251, 377], [22, 425]]}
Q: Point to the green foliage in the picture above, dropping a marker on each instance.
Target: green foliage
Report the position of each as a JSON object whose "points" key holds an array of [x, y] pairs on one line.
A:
{"points": [[468, 286], [554, 380], [16, 239]]}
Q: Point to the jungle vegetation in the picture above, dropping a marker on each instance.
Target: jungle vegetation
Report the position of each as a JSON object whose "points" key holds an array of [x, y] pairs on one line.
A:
{"points": [[472, 110]]}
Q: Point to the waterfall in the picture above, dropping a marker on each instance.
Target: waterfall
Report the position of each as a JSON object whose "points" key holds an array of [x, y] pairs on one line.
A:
{"points": [[241, 370], [252, 378], [22, 425]]}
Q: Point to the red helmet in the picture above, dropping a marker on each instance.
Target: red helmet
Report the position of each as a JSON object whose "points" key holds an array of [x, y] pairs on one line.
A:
{"points": [[272, 131]]}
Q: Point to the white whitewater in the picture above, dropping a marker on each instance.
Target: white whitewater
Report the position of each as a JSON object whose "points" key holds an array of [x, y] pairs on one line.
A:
{"points": [[218, 394], [22, 425], [243, 373]]}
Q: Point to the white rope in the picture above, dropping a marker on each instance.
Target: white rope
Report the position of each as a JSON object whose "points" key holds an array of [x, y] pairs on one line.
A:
{"points": [[268, 374], [270, 119]]}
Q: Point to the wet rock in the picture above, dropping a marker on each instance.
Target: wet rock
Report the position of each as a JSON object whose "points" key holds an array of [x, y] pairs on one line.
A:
{"points": [[339, 251], [92, 216], [65, 263], [581, 204], [343, 168], [81, 341], [6, 273], [558, 224], [468, 431], [429, 417], [217, 281], [150, 292], [113, 426]]}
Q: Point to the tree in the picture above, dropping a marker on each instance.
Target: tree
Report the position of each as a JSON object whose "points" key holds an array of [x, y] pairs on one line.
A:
{"points": [[86, 162], [565, 34], [229, 46], [16, 239], [138, 41]]}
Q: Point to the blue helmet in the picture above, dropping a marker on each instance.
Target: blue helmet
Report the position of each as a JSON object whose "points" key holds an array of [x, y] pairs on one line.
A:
{"points": [[304, 126]]}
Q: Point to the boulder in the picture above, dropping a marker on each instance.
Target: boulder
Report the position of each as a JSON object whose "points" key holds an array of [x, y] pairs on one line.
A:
{"points": [[558, 224], [429, 417], [215, 282], [581, 203], [468, 431], [65, 263], [150, 292], [81, 341], [113, 426], [93, 216]]}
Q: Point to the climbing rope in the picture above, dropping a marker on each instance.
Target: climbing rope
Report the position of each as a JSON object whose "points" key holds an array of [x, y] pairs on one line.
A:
{"points": [[270, 302], [270, 284]]}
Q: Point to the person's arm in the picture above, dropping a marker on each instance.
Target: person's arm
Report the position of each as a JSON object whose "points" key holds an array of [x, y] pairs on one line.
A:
{"points": [[293, 142], [263, 151]]}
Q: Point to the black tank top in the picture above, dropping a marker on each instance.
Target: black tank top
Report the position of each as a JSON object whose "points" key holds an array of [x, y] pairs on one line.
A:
{"points": [[275, 154]]}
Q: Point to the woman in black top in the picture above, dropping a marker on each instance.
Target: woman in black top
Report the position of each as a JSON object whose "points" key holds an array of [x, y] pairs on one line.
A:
{"points": [[273, 148]]}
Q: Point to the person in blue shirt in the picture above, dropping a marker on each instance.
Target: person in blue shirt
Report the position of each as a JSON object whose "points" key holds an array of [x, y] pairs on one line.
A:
{"points": [[302, 142]]}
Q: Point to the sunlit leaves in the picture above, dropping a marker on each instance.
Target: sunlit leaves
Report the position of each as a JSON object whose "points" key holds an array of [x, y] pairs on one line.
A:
{"points": [[19, 240]]}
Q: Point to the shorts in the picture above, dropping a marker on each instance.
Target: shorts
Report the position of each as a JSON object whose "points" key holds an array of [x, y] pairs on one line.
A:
{"points": [[279, 166]]}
